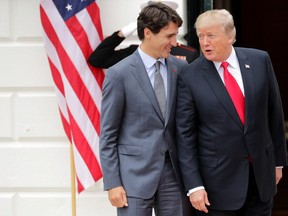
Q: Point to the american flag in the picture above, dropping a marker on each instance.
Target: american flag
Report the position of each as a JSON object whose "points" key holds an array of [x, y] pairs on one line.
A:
{"points": [[72, 30]]}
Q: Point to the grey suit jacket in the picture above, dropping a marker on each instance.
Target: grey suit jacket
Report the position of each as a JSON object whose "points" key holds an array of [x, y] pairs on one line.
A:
{"points": [[134, 135], [213, 144]]}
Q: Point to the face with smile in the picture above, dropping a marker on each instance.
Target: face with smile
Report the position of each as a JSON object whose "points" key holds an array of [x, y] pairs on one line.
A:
{"points": [[215, 42], [159, 45]]}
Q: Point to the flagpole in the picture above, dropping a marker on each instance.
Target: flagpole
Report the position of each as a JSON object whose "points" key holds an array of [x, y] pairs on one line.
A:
{"points": [[73, 185]]}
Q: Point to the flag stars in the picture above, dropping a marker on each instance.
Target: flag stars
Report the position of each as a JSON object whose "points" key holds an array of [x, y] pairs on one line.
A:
{"points": [[68, 7]]}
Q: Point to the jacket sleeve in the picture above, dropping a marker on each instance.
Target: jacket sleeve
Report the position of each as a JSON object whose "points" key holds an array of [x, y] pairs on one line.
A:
{"points": [[186, 134], [105, 55], [276, 117], [111, 118]]}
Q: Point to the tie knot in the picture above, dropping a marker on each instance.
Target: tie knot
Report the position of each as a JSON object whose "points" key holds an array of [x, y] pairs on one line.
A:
{"points": [[225, 65], [157, 65]]}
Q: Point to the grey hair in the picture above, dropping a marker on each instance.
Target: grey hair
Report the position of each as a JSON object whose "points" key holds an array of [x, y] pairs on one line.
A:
{"points": [[219, 16]]}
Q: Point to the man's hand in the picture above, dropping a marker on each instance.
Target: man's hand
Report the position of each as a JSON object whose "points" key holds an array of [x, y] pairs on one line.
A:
{"points": [[117, 197], [278, 174], [199, 200]]}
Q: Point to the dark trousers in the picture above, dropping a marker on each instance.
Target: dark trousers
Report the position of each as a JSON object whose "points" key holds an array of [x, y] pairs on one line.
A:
{"points": [[167, 201], [253, 206]]}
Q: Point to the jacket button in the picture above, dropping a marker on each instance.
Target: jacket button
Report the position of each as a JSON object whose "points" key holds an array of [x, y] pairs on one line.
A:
{"points": [[248, 157]]}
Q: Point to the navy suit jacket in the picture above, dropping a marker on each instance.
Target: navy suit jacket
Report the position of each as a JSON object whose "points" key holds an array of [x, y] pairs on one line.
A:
{"points": [[213, 145]]}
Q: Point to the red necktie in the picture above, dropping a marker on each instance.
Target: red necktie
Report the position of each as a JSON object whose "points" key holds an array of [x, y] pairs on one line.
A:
{"points": [[234, 92]]}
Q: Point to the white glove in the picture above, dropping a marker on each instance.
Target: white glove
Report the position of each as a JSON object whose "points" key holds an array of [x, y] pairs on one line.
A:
{"points": [[129, 29]]}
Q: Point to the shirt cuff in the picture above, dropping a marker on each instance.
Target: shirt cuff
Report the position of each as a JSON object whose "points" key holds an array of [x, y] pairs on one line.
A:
{"points": [[194, 190]]}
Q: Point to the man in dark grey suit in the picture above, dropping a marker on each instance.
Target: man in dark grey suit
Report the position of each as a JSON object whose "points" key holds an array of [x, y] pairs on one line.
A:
{"points": [[231, 151], [137, 141]]}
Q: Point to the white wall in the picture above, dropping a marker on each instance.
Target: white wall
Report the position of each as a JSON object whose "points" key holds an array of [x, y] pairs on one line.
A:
{"points": [[34, 152]]}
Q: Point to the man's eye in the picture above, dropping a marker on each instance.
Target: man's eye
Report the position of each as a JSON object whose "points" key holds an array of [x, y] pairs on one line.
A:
{"points": [[211, 36]]}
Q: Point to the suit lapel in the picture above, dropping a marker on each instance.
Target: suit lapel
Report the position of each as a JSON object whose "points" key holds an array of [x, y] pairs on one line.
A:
{"points": [[248, 83], [140, 74], [219, 89], [171, 87]]}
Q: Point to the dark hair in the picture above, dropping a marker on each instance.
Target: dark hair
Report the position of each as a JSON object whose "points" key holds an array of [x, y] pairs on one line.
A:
{"points": [[156, 16]]}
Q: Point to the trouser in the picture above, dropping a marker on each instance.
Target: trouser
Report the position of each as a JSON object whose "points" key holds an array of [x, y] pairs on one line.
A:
{"points": [[167, 201]]}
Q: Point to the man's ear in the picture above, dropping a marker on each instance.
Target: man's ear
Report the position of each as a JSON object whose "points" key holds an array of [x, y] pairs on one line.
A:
{"points": [[231, 39], [147, 33]]}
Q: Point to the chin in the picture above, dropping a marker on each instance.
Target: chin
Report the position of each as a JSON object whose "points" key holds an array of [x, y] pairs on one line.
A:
{"points": [[166, 55], [208, 57]]}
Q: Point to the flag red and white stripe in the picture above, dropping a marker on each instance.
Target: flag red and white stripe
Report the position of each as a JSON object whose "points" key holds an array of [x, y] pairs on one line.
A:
{"points": [[72, 30]]}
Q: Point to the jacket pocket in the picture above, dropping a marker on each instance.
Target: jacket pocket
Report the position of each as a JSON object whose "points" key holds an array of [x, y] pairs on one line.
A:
{"points": [[129, 149]]}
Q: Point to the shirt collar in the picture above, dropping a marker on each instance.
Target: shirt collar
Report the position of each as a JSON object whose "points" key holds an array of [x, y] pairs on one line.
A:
{"points": [[232, 60], [148, 60]]}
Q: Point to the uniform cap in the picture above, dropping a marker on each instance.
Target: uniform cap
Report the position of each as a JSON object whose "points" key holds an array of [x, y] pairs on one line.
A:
{"points": [[171, 4]]}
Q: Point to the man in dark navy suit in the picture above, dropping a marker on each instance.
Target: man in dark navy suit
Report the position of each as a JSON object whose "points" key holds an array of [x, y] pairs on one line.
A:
{"points": [[231, 152]]}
